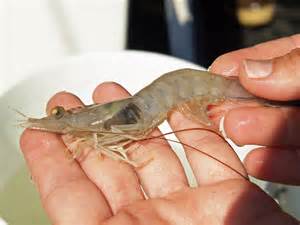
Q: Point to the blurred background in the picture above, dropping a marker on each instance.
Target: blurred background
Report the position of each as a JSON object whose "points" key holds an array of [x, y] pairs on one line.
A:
{"points": [[37, 33], [201, 30], [34, 33]]}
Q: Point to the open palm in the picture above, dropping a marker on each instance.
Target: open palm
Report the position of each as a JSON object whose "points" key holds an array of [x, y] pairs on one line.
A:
{"points": [[91, 190]]}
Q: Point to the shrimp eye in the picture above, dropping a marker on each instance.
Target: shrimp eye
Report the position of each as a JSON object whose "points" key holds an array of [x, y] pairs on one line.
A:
{"points": [[58, 112]]}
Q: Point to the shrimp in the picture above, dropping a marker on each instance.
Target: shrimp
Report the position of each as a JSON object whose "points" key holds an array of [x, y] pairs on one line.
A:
{"points": [[110, 127]]}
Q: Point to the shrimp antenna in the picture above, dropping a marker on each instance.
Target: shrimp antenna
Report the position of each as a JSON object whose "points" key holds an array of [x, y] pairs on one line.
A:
{"points": [[208, 155], [19, 112], [185, 129], [162, 136]]}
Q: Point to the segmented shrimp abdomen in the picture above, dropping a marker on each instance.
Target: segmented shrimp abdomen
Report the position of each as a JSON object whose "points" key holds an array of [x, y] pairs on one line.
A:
{"points": [[180, 86]]}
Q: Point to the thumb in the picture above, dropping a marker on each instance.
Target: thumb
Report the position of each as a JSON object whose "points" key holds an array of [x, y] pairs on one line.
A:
{"points": [[276, 79]]}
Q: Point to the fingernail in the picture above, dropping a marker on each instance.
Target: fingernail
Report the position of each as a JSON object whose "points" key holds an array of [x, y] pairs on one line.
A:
{"points": [[258, 68]]}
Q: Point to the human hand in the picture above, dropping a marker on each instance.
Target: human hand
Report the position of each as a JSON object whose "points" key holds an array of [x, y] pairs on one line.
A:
{"points": [[277, 77], [93, 190]]}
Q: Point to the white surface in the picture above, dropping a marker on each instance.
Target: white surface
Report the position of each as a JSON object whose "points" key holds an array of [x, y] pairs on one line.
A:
{"points": [[79, 75], [2, 222], [95, 25], [36, 33]]}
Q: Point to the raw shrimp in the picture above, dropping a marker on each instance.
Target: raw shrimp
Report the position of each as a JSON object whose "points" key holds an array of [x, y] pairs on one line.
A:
{"points": [[110, 127]]}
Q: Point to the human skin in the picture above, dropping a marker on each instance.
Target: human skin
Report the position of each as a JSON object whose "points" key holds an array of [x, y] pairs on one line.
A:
{"points": [[93, 190], [276, 128]]}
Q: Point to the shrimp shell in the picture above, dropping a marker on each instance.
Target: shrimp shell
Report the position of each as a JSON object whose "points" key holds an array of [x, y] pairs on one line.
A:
{"points": [[110, 127]]}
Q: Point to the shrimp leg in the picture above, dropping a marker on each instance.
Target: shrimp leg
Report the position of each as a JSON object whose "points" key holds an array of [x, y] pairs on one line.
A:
{"points": [[113, 155]]}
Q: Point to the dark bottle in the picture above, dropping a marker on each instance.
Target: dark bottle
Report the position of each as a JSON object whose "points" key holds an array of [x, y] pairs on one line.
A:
{"points": [[216, 29]]}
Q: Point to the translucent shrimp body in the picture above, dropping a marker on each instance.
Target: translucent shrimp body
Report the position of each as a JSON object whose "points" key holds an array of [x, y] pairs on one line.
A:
{"points": [[186, 87], [111, 126]]}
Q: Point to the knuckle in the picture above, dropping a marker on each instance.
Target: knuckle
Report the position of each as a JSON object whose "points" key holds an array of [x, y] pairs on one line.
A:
{"points": [[296, 40], [295, 52], [289, 62], [294, 62]]}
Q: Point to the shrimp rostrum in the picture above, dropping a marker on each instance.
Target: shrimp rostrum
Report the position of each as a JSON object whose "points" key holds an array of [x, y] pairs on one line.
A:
{"points": [[110, 127]]}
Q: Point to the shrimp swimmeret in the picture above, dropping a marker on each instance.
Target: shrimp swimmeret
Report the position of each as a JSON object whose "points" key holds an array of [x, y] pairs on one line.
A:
{"points": [[110, 127]]}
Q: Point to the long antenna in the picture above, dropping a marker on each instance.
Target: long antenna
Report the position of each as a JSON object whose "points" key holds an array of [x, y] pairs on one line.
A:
{"points": [[162, 136], [19, 112]]}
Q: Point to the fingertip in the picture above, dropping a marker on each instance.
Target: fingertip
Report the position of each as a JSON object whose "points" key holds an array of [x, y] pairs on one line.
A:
{"points": [[109, 91], [274, 164], [64, 99], [235, 123], [253, 162], [218, 111], [31, 139], [252, 125], [24, 140], [257, 164], [35, 143], [227, 65]]}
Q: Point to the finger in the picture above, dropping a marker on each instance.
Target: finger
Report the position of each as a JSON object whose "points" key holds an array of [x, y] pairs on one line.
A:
{"points": [[108, 92], [63, 99], [263, 126], [229, 64], [274, 164], [67, 194], [276, 79], [207, 170], [269, 70], [117, 181], [161, 175], [217, 111], [231, 202]]}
